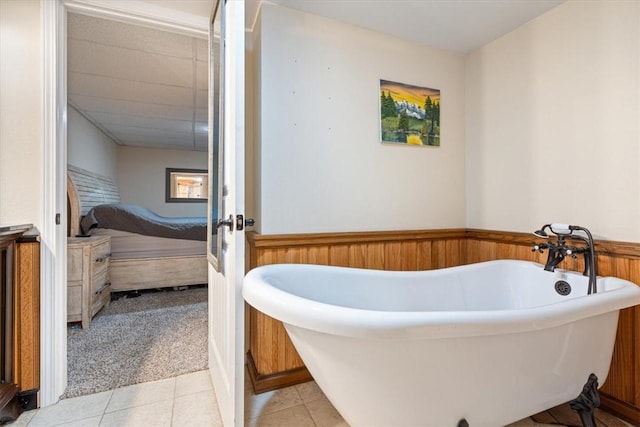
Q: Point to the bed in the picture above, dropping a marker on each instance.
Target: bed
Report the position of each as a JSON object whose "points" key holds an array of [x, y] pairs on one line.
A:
{"points": [[139, 260]]}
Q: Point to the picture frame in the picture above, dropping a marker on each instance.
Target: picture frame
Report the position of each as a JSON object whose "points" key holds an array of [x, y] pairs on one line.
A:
{"points": [[186, 185], [409, 114]]}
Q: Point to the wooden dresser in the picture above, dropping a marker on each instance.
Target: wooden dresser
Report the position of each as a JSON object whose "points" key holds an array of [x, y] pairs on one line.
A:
{"points": [[19, 320], [88, 285]]}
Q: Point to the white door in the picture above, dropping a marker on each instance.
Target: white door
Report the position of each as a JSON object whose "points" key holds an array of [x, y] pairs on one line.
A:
{"points": [[226, 268]]}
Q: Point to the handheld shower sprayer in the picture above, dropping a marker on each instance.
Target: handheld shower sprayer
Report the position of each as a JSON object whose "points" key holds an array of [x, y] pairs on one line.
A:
{"points": [[557, 229], [541, 233], [561, 229]]}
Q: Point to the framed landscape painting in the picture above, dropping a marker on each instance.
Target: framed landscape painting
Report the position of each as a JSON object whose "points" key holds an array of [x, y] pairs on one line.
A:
{"points": [[409, 114]]}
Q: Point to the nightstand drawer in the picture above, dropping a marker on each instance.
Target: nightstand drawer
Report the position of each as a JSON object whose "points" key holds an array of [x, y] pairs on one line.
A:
{"points": [[101, 252], [99, 266], [100, 298], [100, 290], [98, 281]]}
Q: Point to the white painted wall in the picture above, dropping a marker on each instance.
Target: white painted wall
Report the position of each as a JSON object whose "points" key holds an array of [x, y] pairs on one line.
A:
{"points": [[89, 148], [553, 117], [21, 67], [322, 166], [141, 178]]}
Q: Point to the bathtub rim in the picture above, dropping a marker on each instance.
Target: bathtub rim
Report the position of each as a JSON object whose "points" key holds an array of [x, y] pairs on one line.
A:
{"points": [[363, 323]]}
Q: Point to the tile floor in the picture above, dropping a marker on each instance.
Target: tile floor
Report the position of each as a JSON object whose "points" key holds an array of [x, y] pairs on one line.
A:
{"points": [[186, 400], [189, 401]]}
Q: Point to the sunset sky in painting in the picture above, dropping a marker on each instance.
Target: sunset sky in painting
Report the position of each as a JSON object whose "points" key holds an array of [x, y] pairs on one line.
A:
{"points": [[413, 94]]}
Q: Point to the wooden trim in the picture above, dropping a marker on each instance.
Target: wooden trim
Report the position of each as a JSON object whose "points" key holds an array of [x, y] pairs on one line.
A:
{"points": [[10, 234], [609, 247], [620, 409], [603, 247], [286, 240], [264, 383]]}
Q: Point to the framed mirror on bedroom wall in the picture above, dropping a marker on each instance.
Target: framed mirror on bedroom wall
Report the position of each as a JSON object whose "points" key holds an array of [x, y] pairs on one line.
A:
{"points": [[216, 118]]}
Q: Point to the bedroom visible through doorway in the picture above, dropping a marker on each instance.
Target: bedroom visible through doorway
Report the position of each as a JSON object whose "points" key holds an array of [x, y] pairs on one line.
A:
{"points": [[137, 265]]}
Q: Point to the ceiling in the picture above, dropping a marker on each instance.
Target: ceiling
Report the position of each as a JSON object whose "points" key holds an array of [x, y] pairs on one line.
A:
{"points": [[141, 86], [148, 88], [459, 26]]}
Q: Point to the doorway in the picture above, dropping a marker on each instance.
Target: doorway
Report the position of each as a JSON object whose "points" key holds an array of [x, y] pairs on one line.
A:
{"points": [[54, 351]]}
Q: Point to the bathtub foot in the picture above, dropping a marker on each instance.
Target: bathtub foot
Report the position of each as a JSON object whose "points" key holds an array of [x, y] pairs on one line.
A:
{"points": [[585, 404], [463, 423]]}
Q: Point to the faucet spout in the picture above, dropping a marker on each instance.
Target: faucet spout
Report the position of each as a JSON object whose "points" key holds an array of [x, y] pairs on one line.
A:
{"points": [[554, 258]]}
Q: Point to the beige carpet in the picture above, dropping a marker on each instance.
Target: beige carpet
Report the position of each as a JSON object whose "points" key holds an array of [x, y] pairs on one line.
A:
{"points": [[134, 340]]}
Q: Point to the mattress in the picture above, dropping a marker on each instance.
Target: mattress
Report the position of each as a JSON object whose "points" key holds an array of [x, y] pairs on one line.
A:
{"points": [[126, 245], [140, 220]]}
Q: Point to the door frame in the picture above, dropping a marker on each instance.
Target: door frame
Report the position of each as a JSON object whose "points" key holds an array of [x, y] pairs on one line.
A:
{"points": [[53, 271]]}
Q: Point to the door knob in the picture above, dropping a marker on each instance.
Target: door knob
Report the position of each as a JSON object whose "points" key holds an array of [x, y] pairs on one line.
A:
{"points": [[226, 222]]}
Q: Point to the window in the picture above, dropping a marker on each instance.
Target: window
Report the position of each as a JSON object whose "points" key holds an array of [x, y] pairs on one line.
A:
{"points": [[187, 186]]}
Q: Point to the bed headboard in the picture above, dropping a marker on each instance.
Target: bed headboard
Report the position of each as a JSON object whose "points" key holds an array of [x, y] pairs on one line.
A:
{"points": [[85, 190]]}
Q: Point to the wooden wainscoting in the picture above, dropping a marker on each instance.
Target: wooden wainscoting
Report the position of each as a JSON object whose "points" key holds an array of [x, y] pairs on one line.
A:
{"points": [[274, 363]]}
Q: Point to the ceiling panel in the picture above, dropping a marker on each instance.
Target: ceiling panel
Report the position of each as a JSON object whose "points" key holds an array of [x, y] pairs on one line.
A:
{"points": [[110, 88], [118, 106], [113, 33], [127, 64], [168, 145], [117, 120], [142, 86], [123, 132]]}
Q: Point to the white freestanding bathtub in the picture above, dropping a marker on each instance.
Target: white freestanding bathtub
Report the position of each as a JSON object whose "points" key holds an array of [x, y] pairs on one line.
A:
{"points": [[490, 343]]}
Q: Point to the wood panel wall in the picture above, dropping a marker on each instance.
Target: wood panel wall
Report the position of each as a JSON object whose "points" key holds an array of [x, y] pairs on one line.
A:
{"points": [[27, 315], [273, 361]]}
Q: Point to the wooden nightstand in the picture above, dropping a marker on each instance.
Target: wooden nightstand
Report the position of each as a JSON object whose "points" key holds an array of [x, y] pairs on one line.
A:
{"points": [[88, 286]]}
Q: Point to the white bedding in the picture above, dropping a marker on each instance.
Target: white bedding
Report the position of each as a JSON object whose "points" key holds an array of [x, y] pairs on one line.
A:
{"points": [[125, 245]]}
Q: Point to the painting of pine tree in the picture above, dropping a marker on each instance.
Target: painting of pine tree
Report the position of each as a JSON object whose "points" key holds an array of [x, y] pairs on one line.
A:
{"points": [[409, 114]]}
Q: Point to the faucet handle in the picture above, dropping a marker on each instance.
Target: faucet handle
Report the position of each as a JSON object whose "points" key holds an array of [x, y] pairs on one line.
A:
{"points": [[571, 252], [539, 248]]}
